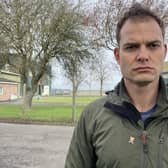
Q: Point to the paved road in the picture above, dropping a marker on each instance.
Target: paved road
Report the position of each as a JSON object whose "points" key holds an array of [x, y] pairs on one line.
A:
{"points": [[33, 146]]}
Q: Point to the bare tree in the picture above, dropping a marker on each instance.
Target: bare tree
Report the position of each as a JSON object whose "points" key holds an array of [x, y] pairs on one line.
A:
{"points": [[106, 14], [103, 19], [3, 56], [36, 31], [101, 68], [74, 70]]}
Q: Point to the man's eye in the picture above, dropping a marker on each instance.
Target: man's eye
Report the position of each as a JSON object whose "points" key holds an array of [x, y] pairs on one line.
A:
{"points": [[153, 46], [131, 47]]}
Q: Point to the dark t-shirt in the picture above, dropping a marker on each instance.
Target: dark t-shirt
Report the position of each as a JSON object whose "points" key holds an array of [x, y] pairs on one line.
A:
{"points": [[147, 114]]}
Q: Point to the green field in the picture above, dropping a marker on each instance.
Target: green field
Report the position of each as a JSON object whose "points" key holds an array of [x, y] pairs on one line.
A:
{"points": [[65, 99], [55, 109], [48, 113]]}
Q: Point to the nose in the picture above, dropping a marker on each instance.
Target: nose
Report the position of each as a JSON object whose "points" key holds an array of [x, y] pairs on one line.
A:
{"points": [[143, 55]]}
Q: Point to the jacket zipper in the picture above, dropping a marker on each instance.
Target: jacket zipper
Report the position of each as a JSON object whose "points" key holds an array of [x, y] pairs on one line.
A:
{"points": [[144, 148], [162, 137], [160, 153]]}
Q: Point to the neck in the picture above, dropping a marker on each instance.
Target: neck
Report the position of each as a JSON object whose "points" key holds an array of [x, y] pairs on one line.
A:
{"points": [[143, 97]]}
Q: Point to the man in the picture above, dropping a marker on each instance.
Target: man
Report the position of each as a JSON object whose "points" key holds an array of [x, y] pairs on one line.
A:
{"points": [[129, 127]]}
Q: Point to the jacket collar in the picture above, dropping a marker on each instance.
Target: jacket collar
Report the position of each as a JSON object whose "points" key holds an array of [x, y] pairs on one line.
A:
{"points": [[120, 94], [162, 99], [119, 101]]}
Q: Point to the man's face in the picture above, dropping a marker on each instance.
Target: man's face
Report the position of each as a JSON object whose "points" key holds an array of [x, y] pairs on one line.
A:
{"points": [[142, 51]]}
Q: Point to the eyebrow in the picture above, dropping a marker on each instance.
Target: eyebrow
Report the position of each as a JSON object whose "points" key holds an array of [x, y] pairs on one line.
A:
{"points": [[137, 43]]}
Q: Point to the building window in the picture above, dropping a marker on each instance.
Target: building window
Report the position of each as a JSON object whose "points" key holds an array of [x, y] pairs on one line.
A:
{"points": [[1, 91]]}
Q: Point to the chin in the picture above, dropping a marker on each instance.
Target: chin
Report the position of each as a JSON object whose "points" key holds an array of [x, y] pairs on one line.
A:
{"points": [[143, 83], [142, 80]]}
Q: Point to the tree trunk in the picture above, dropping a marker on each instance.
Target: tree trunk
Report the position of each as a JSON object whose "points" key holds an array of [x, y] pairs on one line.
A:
{"points": [[101, 87], [27, 103], [73, 102]]}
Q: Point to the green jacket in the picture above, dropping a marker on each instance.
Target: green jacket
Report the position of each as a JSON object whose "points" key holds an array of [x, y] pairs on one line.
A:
{"points": [[111, 134]]}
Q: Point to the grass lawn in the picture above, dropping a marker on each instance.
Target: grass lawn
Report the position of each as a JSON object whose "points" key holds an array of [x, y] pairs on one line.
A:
{"points": [[65, 99], [47, 113]]}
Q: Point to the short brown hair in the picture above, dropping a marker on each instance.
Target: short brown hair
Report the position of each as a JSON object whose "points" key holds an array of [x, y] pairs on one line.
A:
{"points": [[138, 11]]}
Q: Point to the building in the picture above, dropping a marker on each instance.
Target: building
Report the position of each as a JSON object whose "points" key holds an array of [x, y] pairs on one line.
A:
{"points": [[10, 85]]}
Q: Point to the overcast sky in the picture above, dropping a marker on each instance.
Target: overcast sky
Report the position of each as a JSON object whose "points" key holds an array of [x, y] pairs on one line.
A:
{"points": [[59, 81]]}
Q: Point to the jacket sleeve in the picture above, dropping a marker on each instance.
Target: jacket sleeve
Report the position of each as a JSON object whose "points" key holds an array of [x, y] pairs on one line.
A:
{"points": [[81, 150]]}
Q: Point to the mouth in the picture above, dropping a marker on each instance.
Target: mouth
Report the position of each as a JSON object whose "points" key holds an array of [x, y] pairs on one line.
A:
{"points": [[143, 69]]}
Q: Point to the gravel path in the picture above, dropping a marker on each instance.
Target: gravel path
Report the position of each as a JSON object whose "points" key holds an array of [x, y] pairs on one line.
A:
{"points": [[33, 146]]}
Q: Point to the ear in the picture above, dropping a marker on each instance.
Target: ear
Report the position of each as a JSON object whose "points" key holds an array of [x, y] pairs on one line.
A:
{"points": [[165, 47], [117, 55]]}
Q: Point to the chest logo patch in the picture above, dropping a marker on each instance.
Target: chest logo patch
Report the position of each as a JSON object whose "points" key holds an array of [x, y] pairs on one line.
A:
{"points": [[131, 140]]}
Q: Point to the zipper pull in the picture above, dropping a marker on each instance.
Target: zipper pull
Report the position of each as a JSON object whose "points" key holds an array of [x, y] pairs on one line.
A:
{"points": [[161, 138], [144, 140]]}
